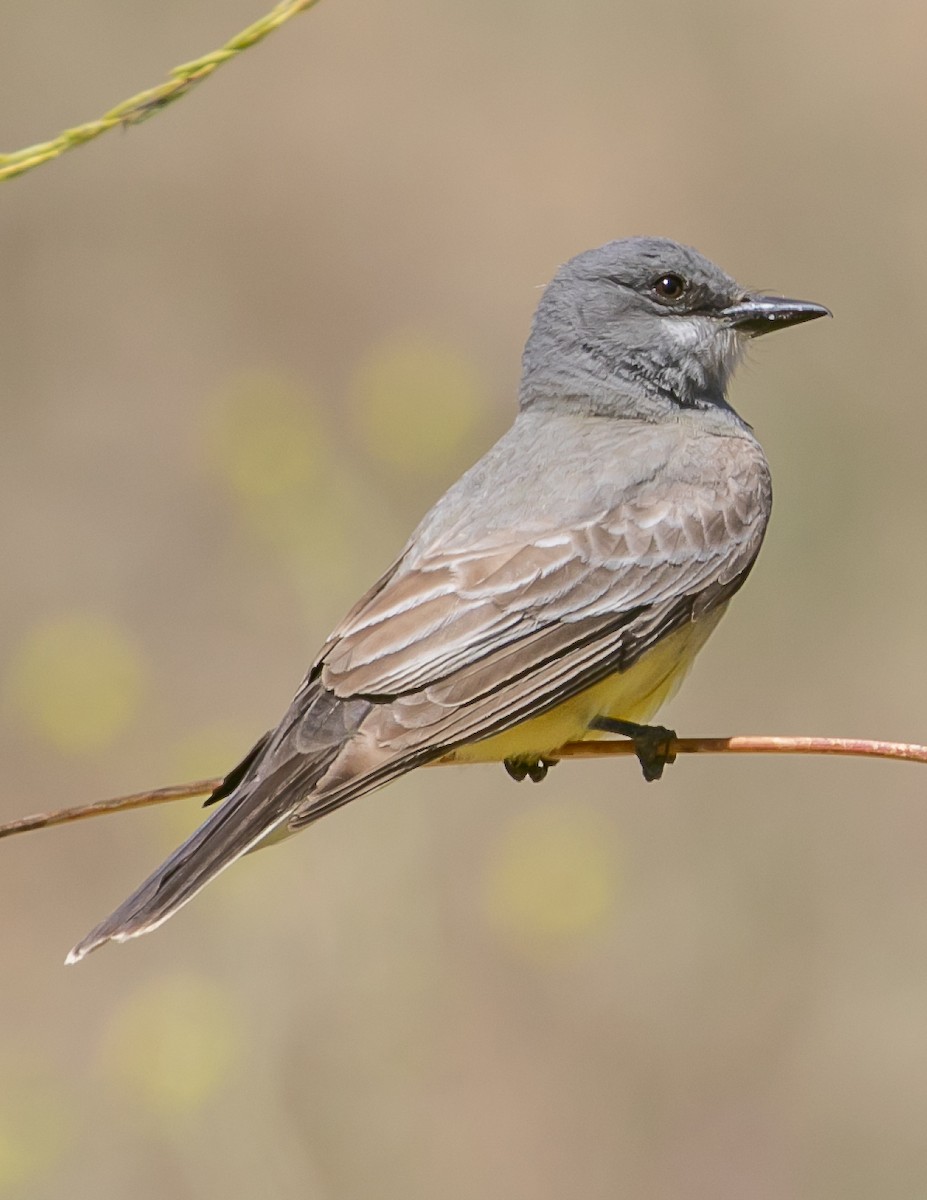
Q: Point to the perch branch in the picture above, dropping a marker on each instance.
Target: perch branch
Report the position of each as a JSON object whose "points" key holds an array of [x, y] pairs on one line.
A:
{"points": [[903, 751]]}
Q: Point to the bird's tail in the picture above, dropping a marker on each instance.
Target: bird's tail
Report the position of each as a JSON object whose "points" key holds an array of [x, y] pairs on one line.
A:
{"points": [[234, 829]]}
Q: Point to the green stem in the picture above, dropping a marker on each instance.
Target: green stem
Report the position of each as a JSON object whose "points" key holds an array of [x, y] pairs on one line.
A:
{"points": [[146, 104]]}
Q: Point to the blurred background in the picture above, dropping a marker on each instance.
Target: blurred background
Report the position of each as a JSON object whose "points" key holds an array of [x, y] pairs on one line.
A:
{"points": [[243, 347]]}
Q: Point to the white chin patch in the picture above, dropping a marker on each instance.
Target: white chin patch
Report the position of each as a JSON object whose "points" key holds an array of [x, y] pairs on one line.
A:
{"points": [[688, 331], [717, 349]]}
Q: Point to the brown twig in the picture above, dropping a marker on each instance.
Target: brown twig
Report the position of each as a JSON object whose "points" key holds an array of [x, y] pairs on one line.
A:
{"points": [[855, 747], [63, 816]]}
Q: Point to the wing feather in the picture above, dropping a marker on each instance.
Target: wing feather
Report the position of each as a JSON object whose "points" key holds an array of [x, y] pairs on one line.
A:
{"points": [[453, 614]]}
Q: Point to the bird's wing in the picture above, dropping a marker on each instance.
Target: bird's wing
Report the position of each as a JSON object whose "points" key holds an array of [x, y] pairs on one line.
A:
{"points": [[466, 643], [456, 610]]}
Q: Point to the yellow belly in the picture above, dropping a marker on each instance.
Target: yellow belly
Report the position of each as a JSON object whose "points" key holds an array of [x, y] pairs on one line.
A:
{"points": [[632, 695]]}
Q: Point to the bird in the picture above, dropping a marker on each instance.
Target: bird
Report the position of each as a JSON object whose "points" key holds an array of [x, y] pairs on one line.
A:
{"points": [[558, 591]]}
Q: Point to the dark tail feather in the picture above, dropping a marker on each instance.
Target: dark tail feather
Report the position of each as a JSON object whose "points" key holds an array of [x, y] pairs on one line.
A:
{"points": [[237, 774], [229, 833]]}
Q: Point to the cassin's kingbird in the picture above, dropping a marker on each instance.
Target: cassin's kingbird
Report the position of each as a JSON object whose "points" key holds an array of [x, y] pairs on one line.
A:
{"points": [[561, 588]]}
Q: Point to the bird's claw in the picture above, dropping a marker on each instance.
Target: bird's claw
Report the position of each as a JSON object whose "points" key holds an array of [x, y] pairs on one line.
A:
{"points": [[653, 744], [534, 769], [654, 750]]}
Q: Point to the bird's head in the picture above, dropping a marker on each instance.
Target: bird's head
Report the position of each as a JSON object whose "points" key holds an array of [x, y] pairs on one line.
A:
{"points": [[646, 319]]}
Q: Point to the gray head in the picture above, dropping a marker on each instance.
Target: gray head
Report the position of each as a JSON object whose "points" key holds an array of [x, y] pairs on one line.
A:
{"points": [[644, 326]]}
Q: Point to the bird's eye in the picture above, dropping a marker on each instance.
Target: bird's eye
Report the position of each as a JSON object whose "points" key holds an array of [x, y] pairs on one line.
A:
{"points": [[669, 287]]}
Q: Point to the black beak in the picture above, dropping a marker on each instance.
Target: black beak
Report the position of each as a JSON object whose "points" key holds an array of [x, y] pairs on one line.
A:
{"points": [[762, 314]]}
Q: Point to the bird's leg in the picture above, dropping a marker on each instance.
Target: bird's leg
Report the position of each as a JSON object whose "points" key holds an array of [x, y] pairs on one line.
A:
{"points": [[653, 744], [533, 768]]}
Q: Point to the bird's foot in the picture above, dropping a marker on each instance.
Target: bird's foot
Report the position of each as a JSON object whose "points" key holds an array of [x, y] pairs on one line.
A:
{"points": [[533, 768], [653, 744]]}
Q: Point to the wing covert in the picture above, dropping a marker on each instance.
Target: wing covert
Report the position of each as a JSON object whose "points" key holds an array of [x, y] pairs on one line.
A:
{"points": [[534, 593]]}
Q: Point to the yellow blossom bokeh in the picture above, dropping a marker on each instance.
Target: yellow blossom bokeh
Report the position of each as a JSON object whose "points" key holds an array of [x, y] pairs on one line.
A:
{"points": [[172, 1046], [417, 403], [36, 1130], [264, 438], [76, 681], [552, 879]]}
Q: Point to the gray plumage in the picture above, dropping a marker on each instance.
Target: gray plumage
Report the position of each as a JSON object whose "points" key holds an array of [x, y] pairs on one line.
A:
{"points": [[627, 501]]}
